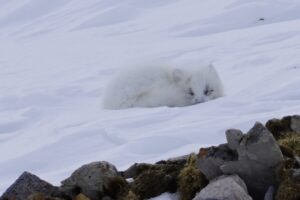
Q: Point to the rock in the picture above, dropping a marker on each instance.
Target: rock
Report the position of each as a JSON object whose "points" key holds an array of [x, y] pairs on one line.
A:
{"points": [[270, 193], [295, 123], [259, 145], [233, 137], [156, 179], [297, 159], [224, 188], [89, 180], [26, 185], [252, 156], [258, 156], [212, 158], [295, 174]]}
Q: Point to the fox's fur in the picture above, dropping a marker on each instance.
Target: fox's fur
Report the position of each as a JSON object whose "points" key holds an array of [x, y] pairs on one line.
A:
{"points": [[160, 85]]}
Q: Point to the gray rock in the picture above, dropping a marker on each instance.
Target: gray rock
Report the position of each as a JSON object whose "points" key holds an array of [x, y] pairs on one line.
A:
{"points": [[297, 159], [270, 193], [253, 156], [233, 137], [213, 159], [295, 123], [260, 145], [89, 179], [26, 185], [224, 188], [258, 156], [210, 167], [295, 173]]}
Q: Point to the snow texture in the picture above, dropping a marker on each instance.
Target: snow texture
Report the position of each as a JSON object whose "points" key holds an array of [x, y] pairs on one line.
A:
{"points": [[56, 58]]}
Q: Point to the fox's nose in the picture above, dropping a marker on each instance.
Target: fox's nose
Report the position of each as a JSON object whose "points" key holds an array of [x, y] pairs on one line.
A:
{"points": [[199, 100]]}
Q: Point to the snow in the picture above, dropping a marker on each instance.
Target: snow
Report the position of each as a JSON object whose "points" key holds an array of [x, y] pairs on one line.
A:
{"points": [[56, 58]]}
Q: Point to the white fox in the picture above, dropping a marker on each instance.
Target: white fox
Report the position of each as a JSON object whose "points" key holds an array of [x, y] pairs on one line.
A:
{"points": [[159, 85]]}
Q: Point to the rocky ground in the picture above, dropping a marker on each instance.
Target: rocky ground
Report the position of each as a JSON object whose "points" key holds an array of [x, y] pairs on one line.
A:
{"points": [[263, 163]]}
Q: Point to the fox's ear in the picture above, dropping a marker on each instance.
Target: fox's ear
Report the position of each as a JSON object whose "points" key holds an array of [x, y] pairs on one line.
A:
{"points": [[211, 67], [177, 75]]}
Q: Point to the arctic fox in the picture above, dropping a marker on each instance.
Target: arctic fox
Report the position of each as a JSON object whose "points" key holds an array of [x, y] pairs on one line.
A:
{"points": [[160, 85]]}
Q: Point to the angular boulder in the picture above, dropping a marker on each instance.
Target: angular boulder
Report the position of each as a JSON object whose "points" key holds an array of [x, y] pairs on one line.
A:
{"points": [[212, 158], [26, 185], [258, 155], [224, 188], [89, 180]]}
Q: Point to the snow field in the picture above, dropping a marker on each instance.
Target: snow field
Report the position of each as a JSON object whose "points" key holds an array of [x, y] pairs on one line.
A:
{"points": [[56, 58]]}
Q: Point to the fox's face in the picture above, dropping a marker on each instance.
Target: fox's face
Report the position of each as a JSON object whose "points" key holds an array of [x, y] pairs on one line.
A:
{"points": [[199, 85]]}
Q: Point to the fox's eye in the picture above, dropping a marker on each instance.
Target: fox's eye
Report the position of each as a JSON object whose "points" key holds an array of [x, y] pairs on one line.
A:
{"points": [[208, 91], [191, 92]]}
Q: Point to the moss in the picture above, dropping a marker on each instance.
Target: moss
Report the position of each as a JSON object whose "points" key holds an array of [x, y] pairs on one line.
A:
{"points": [[39, 196], [151, 183], [289, 189], [156, 179], [279, 127], [131, 196], [289, 186], [116, 187], [291, 141], [81, 197], [191, 179], [286, 151], [36, 196]]}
